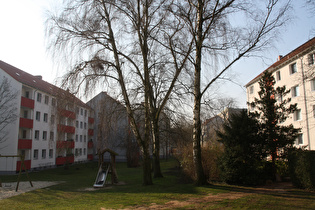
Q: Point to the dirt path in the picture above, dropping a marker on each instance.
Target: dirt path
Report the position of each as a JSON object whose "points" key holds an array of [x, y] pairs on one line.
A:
{"points": [[204, 201]]}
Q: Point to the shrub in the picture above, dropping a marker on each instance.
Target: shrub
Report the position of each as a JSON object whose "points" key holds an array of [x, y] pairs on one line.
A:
{"points": [[301, 167]]}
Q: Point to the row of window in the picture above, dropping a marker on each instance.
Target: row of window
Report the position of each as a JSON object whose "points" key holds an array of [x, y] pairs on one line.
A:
{"points": [[44, 135], [53, 103], [81, 124], [81, 137], [46, 98], [50, 154], [78, 152]]}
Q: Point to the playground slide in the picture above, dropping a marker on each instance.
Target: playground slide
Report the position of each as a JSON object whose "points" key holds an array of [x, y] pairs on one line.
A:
{"points": [[101, 177]]}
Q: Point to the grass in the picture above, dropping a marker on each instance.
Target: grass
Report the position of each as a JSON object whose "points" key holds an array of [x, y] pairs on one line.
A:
{"points": [[72, 193]]}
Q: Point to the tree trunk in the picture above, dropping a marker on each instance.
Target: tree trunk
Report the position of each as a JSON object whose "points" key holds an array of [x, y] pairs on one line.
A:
{"points": [[156, 149], [200, 177]]}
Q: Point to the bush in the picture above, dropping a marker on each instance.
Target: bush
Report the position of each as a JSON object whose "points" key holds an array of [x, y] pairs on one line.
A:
{"points": [[209, 155], [301, 167]]}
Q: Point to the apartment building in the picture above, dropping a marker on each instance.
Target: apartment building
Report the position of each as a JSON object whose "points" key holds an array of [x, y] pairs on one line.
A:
{"points": [[296, 71], [53, 127]]}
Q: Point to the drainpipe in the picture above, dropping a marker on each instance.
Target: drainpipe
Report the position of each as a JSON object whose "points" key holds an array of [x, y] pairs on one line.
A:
{"points": [[305, 104]]}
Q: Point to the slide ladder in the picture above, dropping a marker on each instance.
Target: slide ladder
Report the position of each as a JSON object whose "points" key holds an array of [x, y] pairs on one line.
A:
{"points": [[101, 176]]}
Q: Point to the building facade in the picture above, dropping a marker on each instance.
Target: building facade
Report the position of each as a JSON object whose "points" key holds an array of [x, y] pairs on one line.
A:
{"points": [[296, 71], [52, 126]]}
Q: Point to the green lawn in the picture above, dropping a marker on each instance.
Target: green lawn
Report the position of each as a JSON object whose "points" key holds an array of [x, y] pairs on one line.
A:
{"points": [[167, 192]]}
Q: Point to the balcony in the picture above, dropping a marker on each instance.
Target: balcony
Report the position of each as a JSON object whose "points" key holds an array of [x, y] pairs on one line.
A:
{"points": [[26, 102], [26, 123], [66, 128], [68, 114], [90, 157], [90, 144], [65, 144], [27, 164], [64, 160], [91, 120], [25, 144], [90, 132]]}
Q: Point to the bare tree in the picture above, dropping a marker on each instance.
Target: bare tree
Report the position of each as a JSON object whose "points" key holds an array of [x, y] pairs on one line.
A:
{"points": [[117, 40], [218, 37], [8, 109]]}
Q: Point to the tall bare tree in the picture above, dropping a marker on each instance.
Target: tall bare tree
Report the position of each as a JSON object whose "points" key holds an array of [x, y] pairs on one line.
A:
{"points": [[116, 39], [7, 108], [219, 35]]}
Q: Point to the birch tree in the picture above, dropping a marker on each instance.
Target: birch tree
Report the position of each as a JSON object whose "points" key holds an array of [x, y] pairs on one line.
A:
{"points": [[104, 39], [224, 31]]}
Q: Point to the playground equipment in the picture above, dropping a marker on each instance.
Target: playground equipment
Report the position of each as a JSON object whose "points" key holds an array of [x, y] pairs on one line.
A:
{"points": [[106, 169], [20, 172]]}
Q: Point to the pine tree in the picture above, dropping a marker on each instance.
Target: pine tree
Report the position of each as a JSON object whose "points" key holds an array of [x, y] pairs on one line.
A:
{"points": [[271, 111], [242, 161]]}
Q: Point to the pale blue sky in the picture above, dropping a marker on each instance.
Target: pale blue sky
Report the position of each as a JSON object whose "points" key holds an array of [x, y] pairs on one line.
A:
{"points": [[22, 43]]}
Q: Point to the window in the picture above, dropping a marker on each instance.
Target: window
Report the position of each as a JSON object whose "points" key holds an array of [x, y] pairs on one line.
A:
{"points": [[77, 110], [278, 75], [39, 97], [46, 99], [299, 139], [293, 68], [295, 91], [37, 134], [26, 114], [251, 89], [37, 117], [81, 111], [85, 113], [80, 138], [76, 138], [80, 151], [44, 135], [51, 153], [77, 124], [314, 111], [297, 115], [311, 58], [45, 117], [313, 84], [84, 138], [76, 152], [81, 125], [51, 136], [27, 94], [85, 125], [35, 154], [24, 134], [84, 151], [43, 154], [53, 102]]}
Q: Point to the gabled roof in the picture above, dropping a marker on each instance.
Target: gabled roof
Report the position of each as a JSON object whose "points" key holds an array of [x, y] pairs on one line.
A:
{"points": [[34, 81], [285, 59]]}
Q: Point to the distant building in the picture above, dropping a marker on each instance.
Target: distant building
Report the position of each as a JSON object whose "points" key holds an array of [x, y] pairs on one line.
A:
{"points": [[296, 71], [210, 126], [53, 128], [111, 125]]}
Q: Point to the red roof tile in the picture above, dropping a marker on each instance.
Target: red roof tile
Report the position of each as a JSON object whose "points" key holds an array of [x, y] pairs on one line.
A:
{"points": [[33, 81]]}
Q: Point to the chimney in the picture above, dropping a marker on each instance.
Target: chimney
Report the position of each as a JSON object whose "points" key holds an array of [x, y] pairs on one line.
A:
{"points": [[39, 77], [279, 57]]}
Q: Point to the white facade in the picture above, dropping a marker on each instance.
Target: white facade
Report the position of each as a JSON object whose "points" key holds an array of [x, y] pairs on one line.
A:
{"points": [[45, 131], [296, 71]]}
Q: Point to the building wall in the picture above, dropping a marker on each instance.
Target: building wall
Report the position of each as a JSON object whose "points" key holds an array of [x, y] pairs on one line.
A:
{"points": [[302, 86], [8, 146], [40, 139]]}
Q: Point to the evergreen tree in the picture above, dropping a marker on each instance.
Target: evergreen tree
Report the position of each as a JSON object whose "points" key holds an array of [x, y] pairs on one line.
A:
{"points": [[241, 162], [271, 111]]}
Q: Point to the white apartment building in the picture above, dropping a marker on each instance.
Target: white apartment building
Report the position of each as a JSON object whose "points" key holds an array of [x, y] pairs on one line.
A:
{"points": [[296, 71], [53, 127]]}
